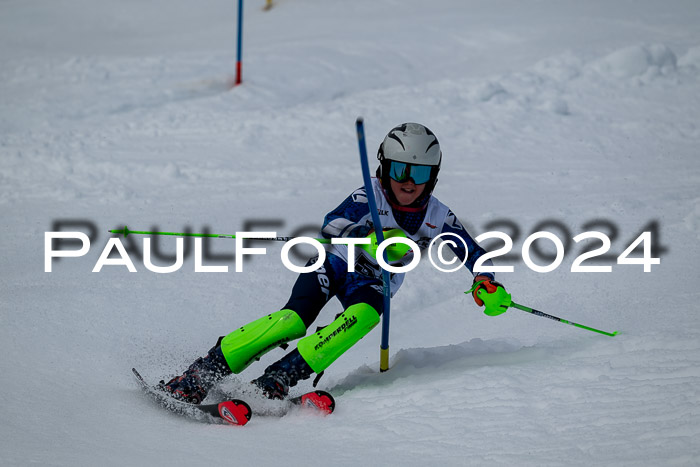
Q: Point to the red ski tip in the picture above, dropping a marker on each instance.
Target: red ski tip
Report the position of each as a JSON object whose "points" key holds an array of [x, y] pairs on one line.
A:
{"points": [[235, 412], [319, 400]]}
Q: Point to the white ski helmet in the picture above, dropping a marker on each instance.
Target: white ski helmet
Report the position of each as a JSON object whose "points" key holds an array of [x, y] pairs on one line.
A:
{"points": [[414, 145]]}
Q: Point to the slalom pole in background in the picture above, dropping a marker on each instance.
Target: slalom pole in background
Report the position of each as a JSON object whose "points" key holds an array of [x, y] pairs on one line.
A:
{"points": [[239, 53], [384, 346]]}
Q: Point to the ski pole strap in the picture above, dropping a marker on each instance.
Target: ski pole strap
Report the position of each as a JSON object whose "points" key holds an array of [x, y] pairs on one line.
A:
{"points": [[545, 315], [318, 378]]}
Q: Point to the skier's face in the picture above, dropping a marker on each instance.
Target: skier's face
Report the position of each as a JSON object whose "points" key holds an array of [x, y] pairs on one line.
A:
{"points": [[406, 192]]}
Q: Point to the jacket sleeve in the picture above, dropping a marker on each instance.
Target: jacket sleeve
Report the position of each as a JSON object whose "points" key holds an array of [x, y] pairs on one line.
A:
{"points": [[346, 219], [474, 251]]}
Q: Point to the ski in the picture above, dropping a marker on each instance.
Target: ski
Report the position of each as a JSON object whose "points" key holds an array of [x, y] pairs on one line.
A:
{"points": [[317, 400], [233, 411]]}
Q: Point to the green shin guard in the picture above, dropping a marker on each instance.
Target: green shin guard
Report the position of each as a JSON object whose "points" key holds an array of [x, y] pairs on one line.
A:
{"points": [[244, 345], [325, 346]]}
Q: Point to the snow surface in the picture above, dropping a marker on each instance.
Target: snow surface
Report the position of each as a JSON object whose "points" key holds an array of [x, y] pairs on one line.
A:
{"points": [[120, 112]]}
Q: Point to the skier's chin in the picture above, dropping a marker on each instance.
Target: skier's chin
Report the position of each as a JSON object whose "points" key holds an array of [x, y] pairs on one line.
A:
{"points": [[405, 199], [406, 193]]}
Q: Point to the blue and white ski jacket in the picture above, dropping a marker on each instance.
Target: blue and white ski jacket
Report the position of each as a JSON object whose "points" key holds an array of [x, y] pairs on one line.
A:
{"points": [[353, 219]]}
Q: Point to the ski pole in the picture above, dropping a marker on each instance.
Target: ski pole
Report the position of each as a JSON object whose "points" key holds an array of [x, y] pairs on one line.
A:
{"points": [[127, 232], [498, 301], [393, 250], [545, 315], [384, 345]]}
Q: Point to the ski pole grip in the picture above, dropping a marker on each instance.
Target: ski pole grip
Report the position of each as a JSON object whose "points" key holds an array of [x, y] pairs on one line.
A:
{"points": [[496, 302]]}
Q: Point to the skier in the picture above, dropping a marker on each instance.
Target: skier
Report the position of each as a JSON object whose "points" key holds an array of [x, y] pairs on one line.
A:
{"points": [[409, 162]]}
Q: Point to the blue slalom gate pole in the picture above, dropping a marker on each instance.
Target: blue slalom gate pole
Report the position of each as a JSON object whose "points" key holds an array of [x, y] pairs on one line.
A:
{"points": [[239, 52], [384, 346]]}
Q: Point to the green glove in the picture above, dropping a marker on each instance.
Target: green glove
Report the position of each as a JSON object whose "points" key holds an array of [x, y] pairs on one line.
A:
{"points": [[394, 252], [493, 296]]}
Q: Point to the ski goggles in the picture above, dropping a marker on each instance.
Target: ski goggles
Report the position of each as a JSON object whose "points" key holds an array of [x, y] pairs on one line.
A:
{"points": [[401, 172]]}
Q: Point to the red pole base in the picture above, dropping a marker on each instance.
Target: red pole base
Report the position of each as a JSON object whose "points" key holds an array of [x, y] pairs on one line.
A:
{"points": [[238, 74]]}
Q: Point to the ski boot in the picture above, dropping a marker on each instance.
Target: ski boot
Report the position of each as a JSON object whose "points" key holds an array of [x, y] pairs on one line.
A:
{"points": [[194, 384], [282, 375]]}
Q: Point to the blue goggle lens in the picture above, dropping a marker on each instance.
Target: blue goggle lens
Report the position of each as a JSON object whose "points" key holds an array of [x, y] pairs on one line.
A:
{"points": [[401, 172]]}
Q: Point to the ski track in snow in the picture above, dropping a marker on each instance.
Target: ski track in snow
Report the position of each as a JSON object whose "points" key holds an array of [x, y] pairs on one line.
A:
{"points": [[559, 110]]}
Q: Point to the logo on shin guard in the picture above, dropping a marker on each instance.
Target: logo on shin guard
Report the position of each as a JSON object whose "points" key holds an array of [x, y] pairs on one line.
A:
{"points": [[349, 322]]}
